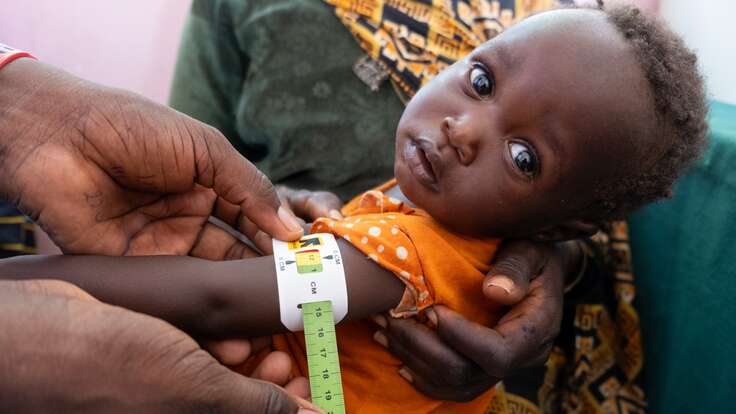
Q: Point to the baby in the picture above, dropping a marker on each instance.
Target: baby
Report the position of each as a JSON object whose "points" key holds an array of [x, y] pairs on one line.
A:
{"points": [[569, 118]]}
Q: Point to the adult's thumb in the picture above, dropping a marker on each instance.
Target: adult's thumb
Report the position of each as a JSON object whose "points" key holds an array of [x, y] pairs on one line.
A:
{"points": [[517, 263], [246, 395]]}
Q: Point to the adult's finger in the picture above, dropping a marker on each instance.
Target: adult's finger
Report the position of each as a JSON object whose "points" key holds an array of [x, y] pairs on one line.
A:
{"points": [[220, 167], [422, 350], [233, 216], [229, 352], [216, 243], [522, 338], [299, 387], [430, 365], [275, 367], [311, 205], [517, 262], [238, 394], [442, 391]]}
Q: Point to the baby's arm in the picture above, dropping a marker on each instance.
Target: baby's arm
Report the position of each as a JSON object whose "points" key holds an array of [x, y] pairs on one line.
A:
{"points": [[207, 299]]}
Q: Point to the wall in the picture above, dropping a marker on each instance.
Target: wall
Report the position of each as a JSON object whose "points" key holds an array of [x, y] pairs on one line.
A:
{"points": [[130, 44], [710, 29]]}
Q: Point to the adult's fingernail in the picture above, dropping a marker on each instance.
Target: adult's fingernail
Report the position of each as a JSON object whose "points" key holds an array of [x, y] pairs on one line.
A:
{"points": [[380, 320], [289, 220], [406, 374], [432, 316], [335, 214], [381, 339], [502, 282]]}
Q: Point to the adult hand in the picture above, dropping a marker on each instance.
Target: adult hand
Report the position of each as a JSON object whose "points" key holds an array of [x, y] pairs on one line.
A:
{"points": [[461, 359], [310, 205], [79, 355], [307, 206], [105, 171]]}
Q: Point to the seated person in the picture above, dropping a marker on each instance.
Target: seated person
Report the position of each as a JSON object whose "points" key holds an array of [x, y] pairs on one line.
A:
{"points": [[567, 119]]}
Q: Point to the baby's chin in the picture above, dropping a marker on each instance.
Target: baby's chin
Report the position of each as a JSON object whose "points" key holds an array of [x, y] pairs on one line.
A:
{"points": [[439, 214]]}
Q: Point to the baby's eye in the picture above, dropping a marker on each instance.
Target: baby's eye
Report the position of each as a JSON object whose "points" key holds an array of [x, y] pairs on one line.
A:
{"points": [[482, 81], [524, 158]]}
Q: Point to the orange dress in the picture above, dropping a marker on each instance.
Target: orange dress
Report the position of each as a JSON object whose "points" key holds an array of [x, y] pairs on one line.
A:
{"points": [[437, 267]]}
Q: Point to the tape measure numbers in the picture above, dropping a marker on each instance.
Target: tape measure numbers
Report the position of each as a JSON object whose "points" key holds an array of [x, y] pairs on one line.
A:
{"points": [[322, 359]]}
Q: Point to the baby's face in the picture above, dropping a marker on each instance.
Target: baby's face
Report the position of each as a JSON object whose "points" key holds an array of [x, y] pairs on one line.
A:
{"points": [[515, 137]]}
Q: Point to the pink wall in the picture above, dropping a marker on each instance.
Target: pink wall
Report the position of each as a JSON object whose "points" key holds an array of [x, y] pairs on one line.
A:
{"points": [[129, 44]]}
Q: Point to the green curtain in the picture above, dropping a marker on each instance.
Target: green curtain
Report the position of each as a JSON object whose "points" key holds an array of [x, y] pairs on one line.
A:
{"points": [[684, 251]]}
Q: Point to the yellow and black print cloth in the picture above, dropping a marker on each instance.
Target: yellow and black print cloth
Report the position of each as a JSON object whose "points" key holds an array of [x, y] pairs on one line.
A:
{"points": [[596, 364], [16, 232], [415, 40]]}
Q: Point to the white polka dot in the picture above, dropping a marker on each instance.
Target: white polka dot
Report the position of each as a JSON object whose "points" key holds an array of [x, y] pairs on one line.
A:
{"points": [[332, 224], [394, 230], [373, 257], [404, 274], [374, 231], [392, 217], [350, 225], [382, 221], [393, 200], [364, 240], [380, 248], [402, 253], [357, 220], [346, 237]]}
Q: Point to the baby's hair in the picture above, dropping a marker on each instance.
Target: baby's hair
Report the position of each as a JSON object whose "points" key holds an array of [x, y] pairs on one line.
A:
{"points": [[680, 107]]}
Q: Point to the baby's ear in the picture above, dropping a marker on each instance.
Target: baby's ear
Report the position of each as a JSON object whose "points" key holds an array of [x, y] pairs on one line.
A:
{"points": [[568, 230]]}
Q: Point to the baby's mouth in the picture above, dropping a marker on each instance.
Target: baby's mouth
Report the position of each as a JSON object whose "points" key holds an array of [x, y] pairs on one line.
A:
{"points": [[418, 161]]}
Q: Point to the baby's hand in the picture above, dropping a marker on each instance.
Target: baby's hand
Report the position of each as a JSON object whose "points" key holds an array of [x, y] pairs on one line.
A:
{"points": [[310, 205]]}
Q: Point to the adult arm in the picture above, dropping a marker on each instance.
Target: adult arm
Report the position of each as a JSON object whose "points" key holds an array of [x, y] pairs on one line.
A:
{"points": [[207, 299], [65, 352], [461, 359], [105, 171]]}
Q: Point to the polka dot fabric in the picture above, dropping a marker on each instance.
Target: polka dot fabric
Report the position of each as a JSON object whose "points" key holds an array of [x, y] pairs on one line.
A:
{"points": [[432, 262], [436, 265], [376, 231]]}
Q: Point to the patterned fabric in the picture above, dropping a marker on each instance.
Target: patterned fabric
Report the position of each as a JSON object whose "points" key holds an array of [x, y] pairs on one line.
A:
{"points": [[16, 232], [415, 40], [436, 265], [596, 364]]}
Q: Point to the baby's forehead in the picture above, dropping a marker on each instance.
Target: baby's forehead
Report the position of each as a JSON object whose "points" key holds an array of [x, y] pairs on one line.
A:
{"points": [[578, 77], [575, 57], [578, 36]]}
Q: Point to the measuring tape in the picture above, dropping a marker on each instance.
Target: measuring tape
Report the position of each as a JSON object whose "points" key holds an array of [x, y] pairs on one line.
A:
{"points": [[311, 279], [322, 359]]}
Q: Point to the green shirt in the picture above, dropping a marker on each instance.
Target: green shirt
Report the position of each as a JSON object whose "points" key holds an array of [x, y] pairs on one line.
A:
{"points": [[276, 77]]}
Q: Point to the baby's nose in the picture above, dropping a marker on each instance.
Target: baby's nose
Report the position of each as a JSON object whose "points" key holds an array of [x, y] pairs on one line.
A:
{"points": [[461, 136]]}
